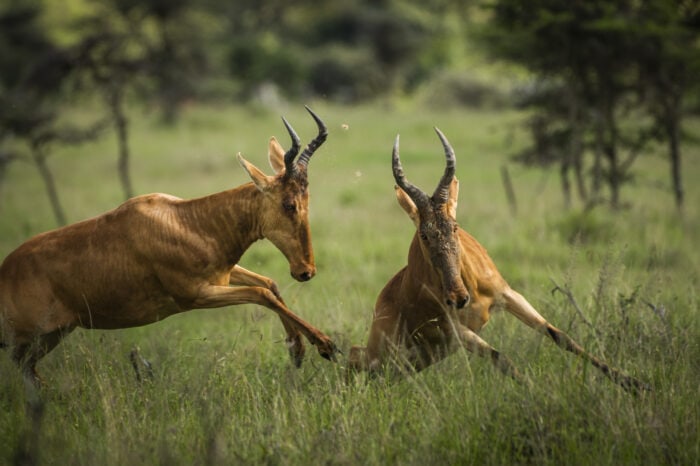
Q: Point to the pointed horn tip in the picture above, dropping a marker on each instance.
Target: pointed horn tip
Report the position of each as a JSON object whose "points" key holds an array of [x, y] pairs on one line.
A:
{"points": [[321, 125]]}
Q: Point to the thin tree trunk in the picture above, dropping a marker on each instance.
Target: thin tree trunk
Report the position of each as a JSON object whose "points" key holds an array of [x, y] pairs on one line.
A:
{"points": [[122, 127], [49, 183], [578, 173], [575, 154], [610, 151], [597, 172], [565, 183], [673, 131], [510, 192]]}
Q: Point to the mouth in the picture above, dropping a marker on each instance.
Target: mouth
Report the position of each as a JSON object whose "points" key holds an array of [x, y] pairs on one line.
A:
{"points": [[459, 302], [304, 276]]}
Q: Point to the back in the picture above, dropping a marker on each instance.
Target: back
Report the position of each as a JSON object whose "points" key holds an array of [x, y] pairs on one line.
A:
{"points": [[94, 265]]}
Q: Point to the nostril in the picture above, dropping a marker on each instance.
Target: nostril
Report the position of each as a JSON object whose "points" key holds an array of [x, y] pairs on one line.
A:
{"points": [[305, 276], [450, 302]]}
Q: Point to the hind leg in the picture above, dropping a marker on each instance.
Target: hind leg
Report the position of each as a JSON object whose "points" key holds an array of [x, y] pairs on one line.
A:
{"points": [[27, 355]]}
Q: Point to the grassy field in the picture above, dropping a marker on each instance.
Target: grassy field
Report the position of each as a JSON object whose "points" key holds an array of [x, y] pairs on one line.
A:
{"points": [[223, 390]]}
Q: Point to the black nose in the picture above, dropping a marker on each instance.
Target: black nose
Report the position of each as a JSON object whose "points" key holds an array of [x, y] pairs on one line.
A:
{"points": [[304, 277], [462, 302]]}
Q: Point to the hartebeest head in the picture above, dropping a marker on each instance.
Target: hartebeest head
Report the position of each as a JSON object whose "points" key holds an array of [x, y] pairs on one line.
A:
{"points": [[435, 220], [284, 212]]}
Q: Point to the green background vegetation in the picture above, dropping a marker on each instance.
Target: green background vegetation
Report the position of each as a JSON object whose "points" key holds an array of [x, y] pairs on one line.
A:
{"points": [[196, 81], [223, 389]]}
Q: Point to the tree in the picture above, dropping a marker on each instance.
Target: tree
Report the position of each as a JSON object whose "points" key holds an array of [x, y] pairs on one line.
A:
{"points": [[669, 63], [592, 52], [143, 47], [32, 73]]}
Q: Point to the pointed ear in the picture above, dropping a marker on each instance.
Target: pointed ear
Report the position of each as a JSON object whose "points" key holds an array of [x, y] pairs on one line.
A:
{"points": [[261, 180], [452, 200], [275, 153], [407, 204]]}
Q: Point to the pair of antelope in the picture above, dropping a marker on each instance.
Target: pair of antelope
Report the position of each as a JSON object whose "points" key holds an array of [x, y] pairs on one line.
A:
{"points": [[157, 255]]}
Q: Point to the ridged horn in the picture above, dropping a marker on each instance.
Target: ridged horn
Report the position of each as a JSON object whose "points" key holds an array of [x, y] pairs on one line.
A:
{"points": [[419, 198], [316, 142], [290, 155], [442, 192]]}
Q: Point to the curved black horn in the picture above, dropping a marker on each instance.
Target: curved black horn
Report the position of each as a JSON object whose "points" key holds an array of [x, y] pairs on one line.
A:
{"points": [[293, 151], [316, 142], [417, 196], [442, 192]]}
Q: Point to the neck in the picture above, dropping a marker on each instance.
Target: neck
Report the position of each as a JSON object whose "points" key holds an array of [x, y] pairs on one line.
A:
{"points": [[228, 218]]}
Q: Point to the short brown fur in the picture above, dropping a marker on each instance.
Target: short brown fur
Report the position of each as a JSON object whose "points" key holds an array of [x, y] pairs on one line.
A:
{"points": [[157, 255], [415, 322]]}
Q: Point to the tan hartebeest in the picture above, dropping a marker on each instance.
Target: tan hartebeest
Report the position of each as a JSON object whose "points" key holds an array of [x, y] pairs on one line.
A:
{"points": [[447, 292], [157, 255]]}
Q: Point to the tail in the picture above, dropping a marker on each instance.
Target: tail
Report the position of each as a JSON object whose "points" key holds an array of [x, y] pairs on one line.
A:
{"points": [[517, 305]]}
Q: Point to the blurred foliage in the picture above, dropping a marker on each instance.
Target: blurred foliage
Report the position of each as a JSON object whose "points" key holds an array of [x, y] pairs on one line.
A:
{"points": [[596, 64], [589, 67]]}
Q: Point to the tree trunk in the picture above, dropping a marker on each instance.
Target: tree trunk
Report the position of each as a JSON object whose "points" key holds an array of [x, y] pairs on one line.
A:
{"points": [[597, 171], [575, 155], [40, 160], [510, 192], [614, 177], [673, 131], [565, 183], [122, 126]]}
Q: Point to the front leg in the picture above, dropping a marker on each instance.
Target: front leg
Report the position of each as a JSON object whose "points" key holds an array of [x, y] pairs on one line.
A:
{"points": [[242, 276], [211, 296], [295, 345], [475, 344]]}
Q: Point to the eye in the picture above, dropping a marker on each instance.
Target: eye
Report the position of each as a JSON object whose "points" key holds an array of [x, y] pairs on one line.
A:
{"points": [[424, 237], [289, 206]]}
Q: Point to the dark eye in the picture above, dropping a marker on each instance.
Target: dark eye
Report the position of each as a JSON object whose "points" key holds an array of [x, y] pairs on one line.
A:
{"points": [[289, 206], [424, 237]]}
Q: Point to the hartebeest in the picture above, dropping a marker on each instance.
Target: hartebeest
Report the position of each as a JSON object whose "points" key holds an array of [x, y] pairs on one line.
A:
{"points": [[157, 255], [447, 292]]}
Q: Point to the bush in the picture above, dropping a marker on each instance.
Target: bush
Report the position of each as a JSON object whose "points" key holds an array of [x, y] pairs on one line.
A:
{"points": [[346, 75]]}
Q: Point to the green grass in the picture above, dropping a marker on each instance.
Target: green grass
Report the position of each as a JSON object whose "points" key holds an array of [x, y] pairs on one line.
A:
{"points": [[223, 390]]}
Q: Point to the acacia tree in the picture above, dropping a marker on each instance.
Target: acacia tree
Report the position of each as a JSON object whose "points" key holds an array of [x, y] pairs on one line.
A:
{"points": [[32, 73], [592, 52], [669, 63], [145, 48]]}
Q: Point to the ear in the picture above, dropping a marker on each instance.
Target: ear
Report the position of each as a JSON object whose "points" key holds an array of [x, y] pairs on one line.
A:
{"points": [[276, 155], [407, 204], [261, 180], [452, 200]]}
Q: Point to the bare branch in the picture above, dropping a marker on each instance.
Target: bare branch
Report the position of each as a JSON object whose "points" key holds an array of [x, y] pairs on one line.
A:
{"points": [[570, 296]]}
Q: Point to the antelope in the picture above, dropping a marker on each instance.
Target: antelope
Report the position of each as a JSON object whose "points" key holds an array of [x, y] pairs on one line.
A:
{"points": [[157, 255], [447, 292]]}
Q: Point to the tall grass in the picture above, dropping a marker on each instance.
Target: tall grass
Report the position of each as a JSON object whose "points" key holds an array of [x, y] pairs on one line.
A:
{"points": [[223, 390]]}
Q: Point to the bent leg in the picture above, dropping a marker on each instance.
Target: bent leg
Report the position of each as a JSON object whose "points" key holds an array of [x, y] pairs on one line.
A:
{"points": [[219, 296], [295, 345], [517, 305], [27, 355], [475, 344]]}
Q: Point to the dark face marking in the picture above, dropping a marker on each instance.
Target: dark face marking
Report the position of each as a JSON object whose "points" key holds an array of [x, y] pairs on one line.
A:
{"points": [[437, 232]]}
